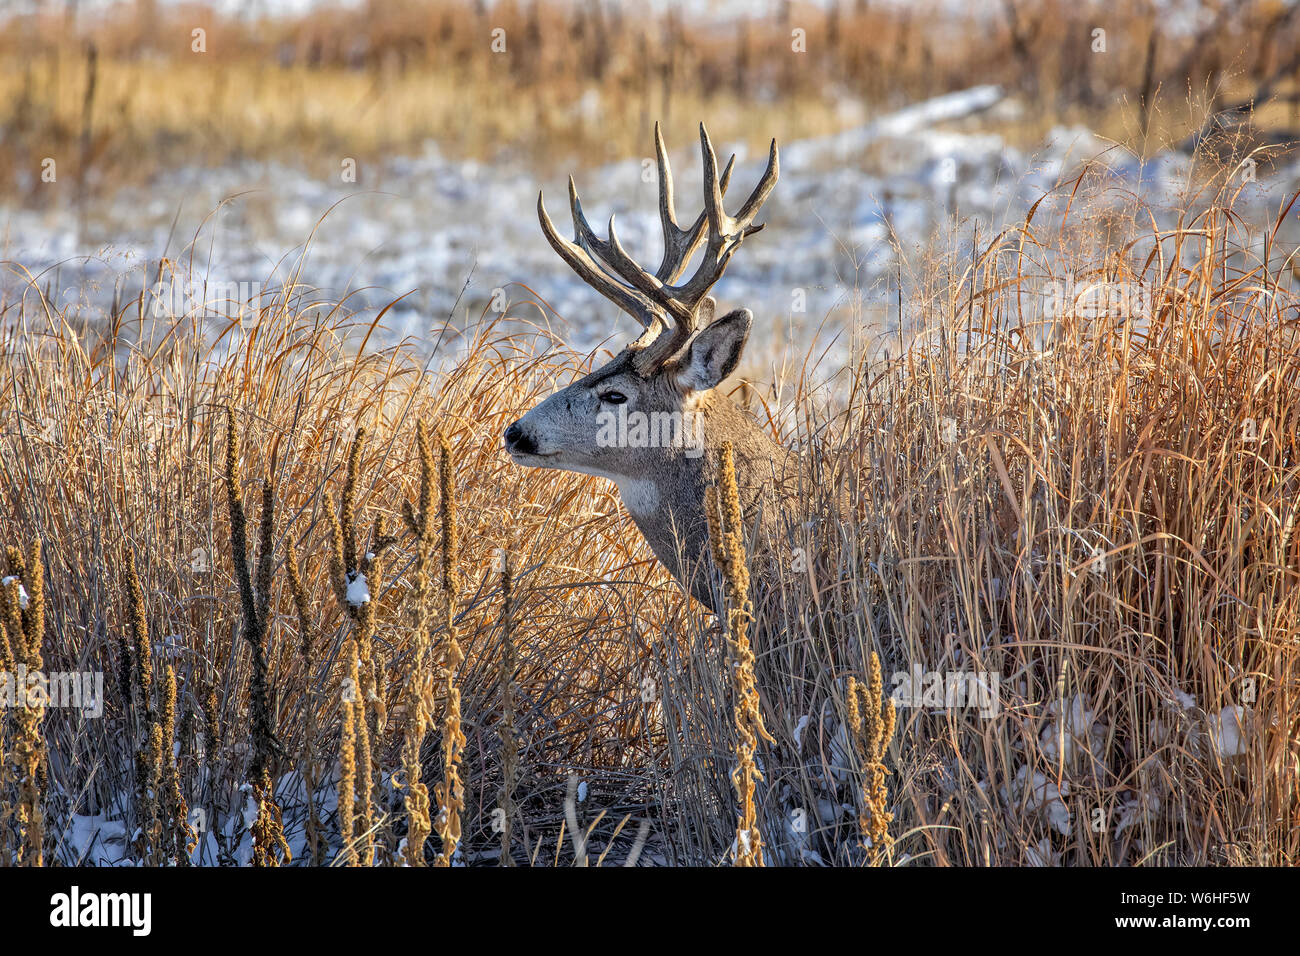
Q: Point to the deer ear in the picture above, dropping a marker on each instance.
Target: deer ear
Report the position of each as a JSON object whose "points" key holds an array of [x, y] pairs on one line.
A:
{"points": [[715, 352]]}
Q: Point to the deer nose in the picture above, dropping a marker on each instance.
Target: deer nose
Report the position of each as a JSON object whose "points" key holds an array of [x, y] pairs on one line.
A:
{"points": [[516, 440]]}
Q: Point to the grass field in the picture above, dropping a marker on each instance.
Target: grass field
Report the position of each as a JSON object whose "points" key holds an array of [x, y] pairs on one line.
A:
{"points": [[1040, 605], [1100, 523]]}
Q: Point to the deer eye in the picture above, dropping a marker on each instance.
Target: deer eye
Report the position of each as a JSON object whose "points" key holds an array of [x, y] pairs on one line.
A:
{"points": [[613, 398]]}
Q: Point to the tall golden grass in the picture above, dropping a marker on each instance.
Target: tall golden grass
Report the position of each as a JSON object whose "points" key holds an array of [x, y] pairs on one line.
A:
{"points": [[1094, 510]]}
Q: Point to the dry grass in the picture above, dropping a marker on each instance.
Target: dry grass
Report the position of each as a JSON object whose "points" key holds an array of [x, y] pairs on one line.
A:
{"points": [[1095, 513], [120, 100]]}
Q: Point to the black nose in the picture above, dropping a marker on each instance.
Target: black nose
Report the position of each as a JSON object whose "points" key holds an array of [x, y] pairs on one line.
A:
{"points": [[517, 441]]}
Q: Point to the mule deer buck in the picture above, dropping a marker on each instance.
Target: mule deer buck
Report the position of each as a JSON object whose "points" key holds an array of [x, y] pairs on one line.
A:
{"points": [[666, 380]]}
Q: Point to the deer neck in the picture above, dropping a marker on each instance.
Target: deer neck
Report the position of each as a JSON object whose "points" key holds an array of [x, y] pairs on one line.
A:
{"points": [[666, 498]]}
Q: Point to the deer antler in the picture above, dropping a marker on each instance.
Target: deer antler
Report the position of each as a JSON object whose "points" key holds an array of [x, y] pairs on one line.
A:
{"points": [[668, 311]]}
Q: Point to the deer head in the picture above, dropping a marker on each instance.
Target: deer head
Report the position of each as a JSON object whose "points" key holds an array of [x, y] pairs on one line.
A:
{"points": [[648, 417]]}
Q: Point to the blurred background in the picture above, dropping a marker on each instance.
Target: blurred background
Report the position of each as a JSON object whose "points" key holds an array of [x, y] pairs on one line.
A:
{"points": [[373, 149]]}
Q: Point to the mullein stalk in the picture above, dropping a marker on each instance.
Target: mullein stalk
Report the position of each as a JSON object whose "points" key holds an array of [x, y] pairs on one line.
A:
{"points": [[146, 733], [10, 651], [450, 792], [313, 829], [726, 532], [871, 719], [25, 630], [269, 846], [182, 839], [348, 754], [509, 745], [418, 698], [368, 716]]}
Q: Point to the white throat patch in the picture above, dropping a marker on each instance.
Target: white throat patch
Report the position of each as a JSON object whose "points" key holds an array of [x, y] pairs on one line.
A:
{"points": [[640, 496]]}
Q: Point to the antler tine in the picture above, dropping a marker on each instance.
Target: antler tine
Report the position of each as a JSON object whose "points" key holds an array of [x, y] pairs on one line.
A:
{"points": [[611, 253], [679, 244], [764, 188], [666, 212], [725, 232], [657, 298], [712, 189], [669, 312], [586, 237], [726, 174], [581, 262]]}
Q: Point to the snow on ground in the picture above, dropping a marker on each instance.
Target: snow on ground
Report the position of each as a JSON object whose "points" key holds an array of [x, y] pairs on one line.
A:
{"points": [[426, 223]]}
